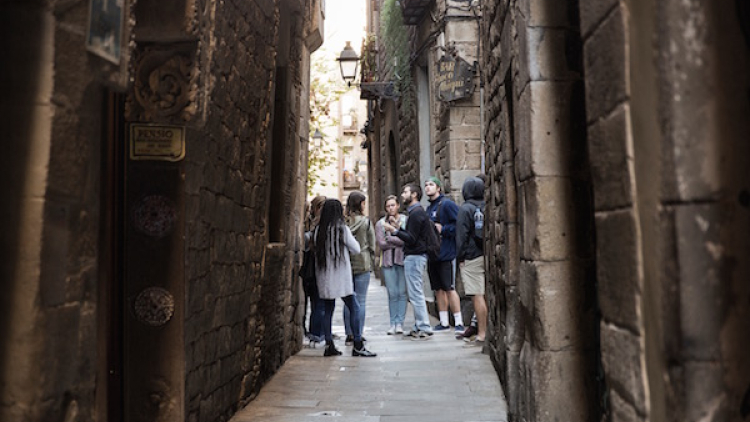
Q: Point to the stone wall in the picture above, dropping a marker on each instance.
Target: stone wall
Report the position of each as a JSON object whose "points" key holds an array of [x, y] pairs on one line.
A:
{"points": [[619, 244], [225, 181], [392, 165], [453, 127], [540, 281], [664, 132], [244, 311], [705, 208], [53, 93], [456, 125], [400, 123], [241, 313], [409, 144]]}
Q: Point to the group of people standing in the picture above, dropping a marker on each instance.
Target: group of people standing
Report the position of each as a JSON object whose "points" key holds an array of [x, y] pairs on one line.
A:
{"points": [[342, 250], [341, 269]]}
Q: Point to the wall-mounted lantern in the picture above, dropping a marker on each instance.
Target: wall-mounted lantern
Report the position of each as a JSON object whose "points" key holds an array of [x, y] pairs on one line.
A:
{"points": [[348, 61], [317, 138]]}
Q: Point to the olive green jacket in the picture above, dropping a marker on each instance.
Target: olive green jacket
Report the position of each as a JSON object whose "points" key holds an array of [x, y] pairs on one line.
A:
{"points": [[364, 232]]}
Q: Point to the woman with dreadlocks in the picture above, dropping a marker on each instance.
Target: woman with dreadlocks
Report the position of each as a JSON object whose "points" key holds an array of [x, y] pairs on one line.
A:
{"points": [[333, 242]]}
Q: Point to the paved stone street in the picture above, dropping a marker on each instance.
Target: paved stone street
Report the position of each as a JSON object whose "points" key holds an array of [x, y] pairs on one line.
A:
{"points": [[438, 380]]}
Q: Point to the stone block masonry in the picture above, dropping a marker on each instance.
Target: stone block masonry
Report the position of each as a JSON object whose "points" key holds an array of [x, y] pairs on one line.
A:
{"points": [[545, 323], [243, 320], [663, 224], [51, 256]]}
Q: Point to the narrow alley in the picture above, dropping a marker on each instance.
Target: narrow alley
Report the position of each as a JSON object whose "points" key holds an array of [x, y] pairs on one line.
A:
{"points": [[438, 380], [162, 156]]}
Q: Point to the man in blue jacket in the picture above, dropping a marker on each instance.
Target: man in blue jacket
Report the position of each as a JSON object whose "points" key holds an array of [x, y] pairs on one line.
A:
{"points": [[442, 271]]}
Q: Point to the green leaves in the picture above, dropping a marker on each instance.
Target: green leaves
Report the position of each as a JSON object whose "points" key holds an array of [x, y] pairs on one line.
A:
{"points": [[395, 41], [325, 90]]}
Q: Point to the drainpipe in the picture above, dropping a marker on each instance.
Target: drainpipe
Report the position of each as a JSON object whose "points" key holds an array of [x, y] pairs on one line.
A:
{"points": [[474, 5], [481, 118]]}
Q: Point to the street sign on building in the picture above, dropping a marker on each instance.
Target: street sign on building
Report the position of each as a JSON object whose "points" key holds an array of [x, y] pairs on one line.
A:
{"points": [[455, 78], [157, 142]]}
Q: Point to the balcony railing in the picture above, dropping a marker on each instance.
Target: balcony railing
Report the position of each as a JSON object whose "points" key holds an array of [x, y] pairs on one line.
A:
{"points": [[372, 87]]}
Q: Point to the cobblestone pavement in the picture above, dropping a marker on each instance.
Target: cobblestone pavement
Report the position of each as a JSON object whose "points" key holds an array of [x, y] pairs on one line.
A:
{"points": [[437, 380]]}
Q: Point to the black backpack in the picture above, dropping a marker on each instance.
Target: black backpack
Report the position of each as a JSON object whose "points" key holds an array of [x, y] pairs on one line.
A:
{"points": [[478, 225], [307, 273], [433, 241], [433, 237]]}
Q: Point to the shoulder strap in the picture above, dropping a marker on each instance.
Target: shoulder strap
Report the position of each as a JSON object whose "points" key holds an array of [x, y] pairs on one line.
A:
{"points": [[369, 227]]}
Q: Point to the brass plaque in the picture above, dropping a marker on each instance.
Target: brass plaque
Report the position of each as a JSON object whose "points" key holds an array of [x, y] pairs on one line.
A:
{"points": [[157, 142]]}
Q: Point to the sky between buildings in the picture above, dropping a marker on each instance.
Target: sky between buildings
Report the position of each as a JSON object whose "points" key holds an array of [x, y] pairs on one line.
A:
{"points": [[345, 20]]}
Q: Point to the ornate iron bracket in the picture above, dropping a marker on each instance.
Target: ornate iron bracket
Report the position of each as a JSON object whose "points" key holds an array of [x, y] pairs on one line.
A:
{"points": [[378, 90]]}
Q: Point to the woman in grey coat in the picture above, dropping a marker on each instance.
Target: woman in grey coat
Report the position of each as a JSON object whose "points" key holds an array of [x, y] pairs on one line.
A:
{"points": [[333, 242]]}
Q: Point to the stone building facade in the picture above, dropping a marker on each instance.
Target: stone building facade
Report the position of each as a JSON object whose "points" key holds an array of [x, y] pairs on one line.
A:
{"points": [[144, 282], [616, 153], [614, 145], [540, 262], [413, 134], [665, 107]]}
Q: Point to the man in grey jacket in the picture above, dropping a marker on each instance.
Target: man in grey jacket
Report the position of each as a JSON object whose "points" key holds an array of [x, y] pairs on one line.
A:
{"points": [[470, 252]]}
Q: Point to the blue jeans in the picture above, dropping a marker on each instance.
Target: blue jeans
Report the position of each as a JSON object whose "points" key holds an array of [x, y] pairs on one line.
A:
{"points": [[351, 304], [395, 284], [317, 313], [414, 266], [361, 283]]}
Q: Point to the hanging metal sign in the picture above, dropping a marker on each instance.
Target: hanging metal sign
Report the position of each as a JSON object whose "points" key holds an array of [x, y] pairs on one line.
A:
{"points": [[455, 78], [157, 142]]}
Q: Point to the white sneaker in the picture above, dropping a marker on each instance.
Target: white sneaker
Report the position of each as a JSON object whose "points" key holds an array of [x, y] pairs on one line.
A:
{"points": [[399, 329], [391, 331]]}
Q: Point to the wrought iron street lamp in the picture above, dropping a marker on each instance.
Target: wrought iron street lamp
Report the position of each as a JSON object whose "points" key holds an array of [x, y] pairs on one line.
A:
{"points": [[317, 138], [348, 61]]}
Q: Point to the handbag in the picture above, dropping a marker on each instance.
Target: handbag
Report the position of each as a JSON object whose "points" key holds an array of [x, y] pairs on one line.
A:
{"points": [[307, 272]]}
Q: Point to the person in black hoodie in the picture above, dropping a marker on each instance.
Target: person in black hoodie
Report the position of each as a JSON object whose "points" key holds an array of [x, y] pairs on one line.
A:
{"points": [[470, 252], [415, 257]]}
